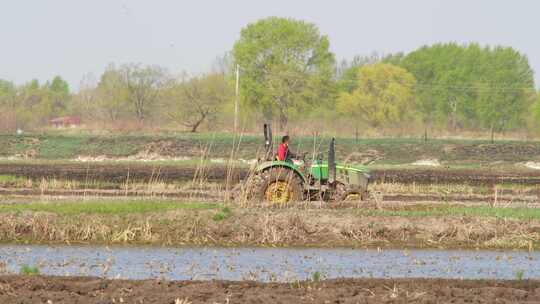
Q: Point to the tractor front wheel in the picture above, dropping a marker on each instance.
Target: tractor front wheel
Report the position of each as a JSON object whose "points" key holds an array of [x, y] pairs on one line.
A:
{"points": [[279, 186], [344, 194]]}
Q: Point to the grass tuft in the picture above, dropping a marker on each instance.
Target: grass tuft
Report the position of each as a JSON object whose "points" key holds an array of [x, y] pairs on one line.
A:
{"points": [[29, 270], [316, 276], [520, 274], [223, 214]]}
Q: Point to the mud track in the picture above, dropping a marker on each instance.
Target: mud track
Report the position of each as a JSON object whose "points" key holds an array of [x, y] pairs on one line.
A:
{"points": [[57, 290], [215, 196], [148, 172]]}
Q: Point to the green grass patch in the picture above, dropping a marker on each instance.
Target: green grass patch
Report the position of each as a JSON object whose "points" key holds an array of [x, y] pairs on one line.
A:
{"points": [[11, 179], [480, 211], [224, 213], [29, 270], [104, 207]]}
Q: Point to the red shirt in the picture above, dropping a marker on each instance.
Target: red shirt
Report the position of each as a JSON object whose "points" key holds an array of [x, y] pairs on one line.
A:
{"points": [[282, 151]]}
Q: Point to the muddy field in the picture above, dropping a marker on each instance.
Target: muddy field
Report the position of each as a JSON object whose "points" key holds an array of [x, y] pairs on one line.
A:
{"points": [[58, 290], [121, 173]]}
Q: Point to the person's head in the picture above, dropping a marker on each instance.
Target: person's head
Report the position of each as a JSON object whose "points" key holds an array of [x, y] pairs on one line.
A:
{"points": [[285, 139]]}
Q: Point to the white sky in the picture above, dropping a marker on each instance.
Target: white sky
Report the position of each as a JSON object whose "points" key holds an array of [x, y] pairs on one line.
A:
{"points": [[43, 38]]}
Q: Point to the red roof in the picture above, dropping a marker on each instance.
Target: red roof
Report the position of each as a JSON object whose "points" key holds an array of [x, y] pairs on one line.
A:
{"points": [[67, 120]]}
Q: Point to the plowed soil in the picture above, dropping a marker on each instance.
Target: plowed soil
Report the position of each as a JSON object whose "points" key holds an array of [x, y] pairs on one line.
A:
{"points": [[117, 172], [122, 172], [73, 290]]}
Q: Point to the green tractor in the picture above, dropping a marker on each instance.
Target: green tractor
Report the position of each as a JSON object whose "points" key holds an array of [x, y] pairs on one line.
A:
{"points": [[279, 182]]}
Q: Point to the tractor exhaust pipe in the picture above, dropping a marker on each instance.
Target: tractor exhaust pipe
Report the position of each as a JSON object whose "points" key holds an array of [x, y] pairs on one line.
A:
{"points": [[268, 142], [332, 163]]}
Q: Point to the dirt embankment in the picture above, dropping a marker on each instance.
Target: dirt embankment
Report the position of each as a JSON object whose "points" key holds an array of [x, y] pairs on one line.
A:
{"points": [[268, 227], [120, 173], [60, 290]]}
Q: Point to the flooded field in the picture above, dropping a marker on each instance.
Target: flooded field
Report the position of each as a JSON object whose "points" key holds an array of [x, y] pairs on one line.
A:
{"points": [[268, 264]]}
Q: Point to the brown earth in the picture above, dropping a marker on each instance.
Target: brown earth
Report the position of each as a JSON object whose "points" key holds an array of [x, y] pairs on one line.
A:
{"points": [[117, 172], [272, 227], [156, 172], [16, 289]]}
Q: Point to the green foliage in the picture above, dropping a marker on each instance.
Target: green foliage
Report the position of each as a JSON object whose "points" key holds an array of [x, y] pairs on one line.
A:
{"points": [[505, 94], [347, 73], [471, 86], [29, 270], [534, 114], [112, 95], [384, 95], [286, 66]]}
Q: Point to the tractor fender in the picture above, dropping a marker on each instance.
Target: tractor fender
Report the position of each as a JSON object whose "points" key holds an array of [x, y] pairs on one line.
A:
{"points": [[280, 164]]}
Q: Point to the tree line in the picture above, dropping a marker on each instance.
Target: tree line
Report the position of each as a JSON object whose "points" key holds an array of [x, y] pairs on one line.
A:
{"points": [[289, 75]]}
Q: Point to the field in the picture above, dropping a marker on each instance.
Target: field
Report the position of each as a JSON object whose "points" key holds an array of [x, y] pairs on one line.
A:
{"points": [[171, 189], [175, 191], [94, 290], [390, 151]]}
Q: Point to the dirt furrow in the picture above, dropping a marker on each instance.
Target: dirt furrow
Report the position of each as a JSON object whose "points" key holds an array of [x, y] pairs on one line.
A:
{"points": [[41, 289], [155, 172]]}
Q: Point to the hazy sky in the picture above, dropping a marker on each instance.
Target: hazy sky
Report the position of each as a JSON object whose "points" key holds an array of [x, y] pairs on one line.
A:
{"points": [[43, 38]]}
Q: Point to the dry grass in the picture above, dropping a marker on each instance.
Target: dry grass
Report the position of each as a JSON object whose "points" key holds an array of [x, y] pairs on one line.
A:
{"points": [[276, 227]]}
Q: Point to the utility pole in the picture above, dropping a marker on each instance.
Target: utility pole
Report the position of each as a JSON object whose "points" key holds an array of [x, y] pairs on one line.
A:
{"points": [[236, 101]]}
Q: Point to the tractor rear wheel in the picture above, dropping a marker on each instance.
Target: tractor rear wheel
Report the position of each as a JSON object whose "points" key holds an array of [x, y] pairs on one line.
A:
{"points": [[279, 186]]}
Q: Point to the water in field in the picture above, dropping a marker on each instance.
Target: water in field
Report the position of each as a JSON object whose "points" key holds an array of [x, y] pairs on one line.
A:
{"points": [[268, 264]]}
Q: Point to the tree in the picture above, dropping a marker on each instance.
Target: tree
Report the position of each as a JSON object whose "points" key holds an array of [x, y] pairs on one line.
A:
{"points": [[143, 85], [199, 99], [112, 92], [347, 71], [384, 95], [8, 104], [506, 91], [286, 66], [469, 86], [56, 97], [85, 101], [534, 113]]}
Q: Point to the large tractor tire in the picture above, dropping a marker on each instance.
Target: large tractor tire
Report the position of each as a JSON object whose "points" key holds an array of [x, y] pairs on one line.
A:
{"points": [[278, 186]]}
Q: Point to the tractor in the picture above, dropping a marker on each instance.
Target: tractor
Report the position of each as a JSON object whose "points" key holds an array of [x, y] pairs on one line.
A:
{"points": [[314, 179]]}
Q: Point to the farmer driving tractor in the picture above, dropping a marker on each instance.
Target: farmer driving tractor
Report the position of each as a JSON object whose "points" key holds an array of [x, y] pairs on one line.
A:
{"points": [[284, 154], [277, 179]]}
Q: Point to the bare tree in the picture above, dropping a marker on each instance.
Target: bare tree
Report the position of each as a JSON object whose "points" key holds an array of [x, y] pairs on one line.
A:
{"points": [[143, 84], [199, 99], [84, 102]]}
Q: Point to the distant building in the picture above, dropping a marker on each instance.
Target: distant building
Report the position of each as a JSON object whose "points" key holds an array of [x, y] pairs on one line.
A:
{"points": [[67, 121]]}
